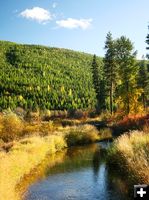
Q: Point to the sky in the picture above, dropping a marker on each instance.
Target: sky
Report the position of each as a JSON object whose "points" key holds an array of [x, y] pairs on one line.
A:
{"points": [[74, 24]]}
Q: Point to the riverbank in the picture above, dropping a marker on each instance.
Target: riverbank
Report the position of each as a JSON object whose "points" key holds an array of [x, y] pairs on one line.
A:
{"points": [[130, 154], [23, 157], [26, 154], [24, 145]]}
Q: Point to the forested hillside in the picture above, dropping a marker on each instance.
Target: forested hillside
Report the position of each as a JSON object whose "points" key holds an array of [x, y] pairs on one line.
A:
{"points": [[34, 77]]}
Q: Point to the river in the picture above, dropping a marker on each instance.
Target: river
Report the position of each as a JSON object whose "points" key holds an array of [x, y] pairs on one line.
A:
{"points": [[80, 173]]}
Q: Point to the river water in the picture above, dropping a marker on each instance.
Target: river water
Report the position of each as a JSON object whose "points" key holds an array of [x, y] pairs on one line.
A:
{"points": [[80, 173]]}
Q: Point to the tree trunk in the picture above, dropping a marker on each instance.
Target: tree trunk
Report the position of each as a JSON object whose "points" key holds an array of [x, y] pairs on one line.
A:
{"points": [[111, 98], [127, 106], [144, 101]]}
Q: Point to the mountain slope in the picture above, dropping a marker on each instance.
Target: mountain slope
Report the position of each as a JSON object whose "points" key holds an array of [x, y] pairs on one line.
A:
{"points": [[33, 76]]}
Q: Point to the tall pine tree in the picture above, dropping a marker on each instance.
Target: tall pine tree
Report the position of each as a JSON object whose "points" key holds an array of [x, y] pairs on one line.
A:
{"points": [[143, 81], [128, 69], [110, 68], [98, 85], [147, 41]]}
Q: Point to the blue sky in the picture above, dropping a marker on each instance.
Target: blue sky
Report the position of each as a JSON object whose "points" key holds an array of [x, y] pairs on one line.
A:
{"points": [[75, 24]]}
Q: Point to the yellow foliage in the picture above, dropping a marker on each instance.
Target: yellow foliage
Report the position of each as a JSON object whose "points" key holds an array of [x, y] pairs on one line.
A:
{"points": [[11, 126], [49, 88], [20, 98], [135, 105], [62, 89], [38, 88], [30, 88], [70, 92]]}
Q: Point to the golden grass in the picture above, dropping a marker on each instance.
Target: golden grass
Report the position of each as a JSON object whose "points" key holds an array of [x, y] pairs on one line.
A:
{"points": [[24, 156], [40, 172], [131, 153], [82, 134], [11, 126], [105, 133]]}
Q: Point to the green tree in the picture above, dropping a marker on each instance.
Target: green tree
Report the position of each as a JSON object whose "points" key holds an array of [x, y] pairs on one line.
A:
{"points": [[128, 69], [96, 78], [110, 68], [98, 83], [143, 81], [147, 42]]}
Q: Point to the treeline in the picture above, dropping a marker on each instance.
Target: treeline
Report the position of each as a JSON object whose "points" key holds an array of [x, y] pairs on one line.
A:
{"points": [[37, 77], [123, 85]]}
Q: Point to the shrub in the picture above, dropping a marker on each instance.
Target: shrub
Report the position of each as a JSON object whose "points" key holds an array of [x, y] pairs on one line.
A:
{"points": [[105, 133], [105, 116], [46, 115], [58, 114], [30, 129], [20, 112], [12, 127], [46, 128], [131, 122], [83, 134], [93, 114], [70, 122], [33, 117], [78, 114], [131, 153]]}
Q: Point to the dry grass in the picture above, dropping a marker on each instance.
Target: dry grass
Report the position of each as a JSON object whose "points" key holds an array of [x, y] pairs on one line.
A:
{"points": [[24, 156], [11, 126], [82, 134], [131, 153], [105, 133]]}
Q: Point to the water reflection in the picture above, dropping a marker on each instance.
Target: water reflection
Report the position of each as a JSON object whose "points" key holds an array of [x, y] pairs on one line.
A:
{"points": [[80, 173], [96, 164]]}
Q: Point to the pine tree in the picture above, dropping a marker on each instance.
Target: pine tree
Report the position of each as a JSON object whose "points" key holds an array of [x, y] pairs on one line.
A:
{"points": [[98, 85], [143, 81], [147, 42], [110, 68], [128, 69]]}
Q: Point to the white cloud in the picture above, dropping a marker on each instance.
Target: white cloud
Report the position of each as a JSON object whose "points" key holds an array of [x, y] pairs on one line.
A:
{"points": [[71, 23], [38, 14], [54, 5]]}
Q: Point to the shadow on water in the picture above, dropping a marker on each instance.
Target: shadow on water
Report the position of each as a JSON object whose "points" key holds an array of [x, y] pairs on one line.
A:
{"points": [[80, 173], [96, 164]]}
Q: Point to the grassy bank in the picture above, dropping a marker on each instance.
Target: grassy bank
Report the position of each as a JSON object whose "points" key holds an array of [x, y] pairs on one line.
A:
{"points": [[24, 145], [23, 157], [130, 152]]}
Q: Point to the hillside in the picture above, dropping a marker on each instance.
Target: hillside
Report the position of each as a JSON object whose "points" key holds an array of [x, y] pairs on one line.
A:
{"points": [[33, 76]]}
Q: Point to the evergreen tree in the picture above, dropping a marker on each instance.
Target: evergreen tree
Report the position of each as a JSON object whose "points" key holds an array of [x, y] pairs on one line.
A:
{"points": [[110, 68], [98, 85], [143, 81], [147, 41], [128, 68]]}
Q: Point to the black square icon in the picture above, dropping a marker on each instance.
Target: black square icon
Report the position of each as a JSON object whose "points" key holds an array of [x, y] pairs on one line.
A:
{"points": [[141, 192]]}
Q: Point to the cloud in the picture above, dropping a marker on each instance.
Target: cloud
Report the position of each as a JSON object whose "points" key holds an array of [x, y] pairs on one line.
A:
{"points": [[37, 14], [71, 23], [54, 5]]}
